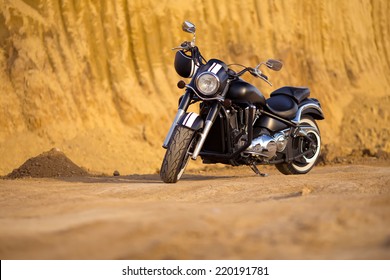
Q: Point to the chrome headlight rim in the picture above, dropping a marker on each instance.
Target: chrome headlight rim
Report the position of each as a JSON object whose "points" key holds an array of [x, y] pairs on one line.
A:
{"points": [[213, 92]]}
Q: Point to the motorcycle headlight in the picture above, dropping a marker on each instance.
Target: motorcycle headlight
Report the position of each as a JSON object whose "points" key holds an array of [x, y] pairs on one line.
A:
{"points": [[207, 83]]}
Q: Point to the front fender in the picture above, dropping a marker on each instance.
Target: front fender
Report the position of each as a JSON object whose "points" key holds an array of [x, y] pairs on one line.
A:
{"points": [[191, 120]]}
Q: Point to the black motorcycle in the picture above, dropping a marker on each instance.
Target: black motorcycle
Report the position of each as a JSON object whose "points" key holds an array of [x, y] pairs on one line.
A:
{"points": [[236, 125]]}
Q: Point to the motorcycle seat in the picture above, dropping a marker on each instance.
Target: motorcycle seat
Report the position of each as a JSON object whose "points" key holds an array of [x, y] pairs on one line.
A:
{"points": [[282, 106], [297, 93]]}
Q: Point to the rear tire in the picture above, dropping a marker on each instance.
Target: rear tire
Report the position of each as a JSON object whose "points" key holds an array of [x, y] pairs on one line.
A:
{"points": [[301, 145], [177, 155]]}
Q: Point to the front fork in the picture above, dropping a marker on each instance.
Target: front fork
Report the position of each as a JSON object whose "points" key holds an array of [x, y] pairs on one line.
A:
{"points": [[183, 106], [210, 119]]}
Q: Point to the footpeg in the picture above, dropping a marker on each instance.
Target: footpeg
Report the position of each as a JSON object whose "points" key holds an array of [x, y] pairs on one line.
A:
{"points": [[257, 171]]}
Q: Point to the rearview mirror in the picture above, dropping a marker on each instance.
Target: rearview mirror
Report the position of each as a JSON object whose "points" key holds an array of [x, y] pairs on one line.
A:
{"points": [[188, 27], [274, 64]]}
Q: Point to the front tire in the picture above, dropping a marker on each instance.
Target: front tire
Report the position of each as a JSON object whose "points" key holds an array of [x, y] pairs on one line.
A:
{"points": [[301, 145], [177, 155]]}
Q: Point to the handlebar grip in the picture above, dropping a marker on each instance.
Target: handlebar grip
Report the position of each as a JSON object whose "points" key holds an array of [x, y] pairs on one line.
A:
{"points": [[264, 76]]}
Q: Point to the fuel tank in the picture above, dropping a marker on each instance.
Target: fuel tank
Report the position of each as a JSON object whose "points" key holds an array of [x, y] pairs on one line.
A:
{"points": [[243, 92]]}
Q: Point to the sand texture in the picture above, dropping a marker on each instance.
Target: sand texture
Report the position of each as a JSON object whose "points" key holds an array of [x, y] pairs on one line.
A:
{"points": [[96, 78], [335, 212]]}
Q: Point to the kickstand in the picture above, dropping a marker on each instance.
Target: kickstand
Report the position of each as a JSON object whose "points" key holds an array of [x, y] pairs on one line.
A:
{"points": [[257, 171]]}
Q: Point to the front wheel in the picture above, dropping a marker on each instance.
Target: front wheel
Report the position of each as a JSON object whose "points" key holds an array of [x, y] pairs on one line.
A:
{"points": [[309, 147], [177, 154]]}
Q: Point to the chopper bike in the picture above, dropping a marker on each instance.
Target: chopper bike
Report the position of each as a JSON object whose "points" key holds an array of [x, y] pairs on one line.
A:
{"points": [[236, 124]]}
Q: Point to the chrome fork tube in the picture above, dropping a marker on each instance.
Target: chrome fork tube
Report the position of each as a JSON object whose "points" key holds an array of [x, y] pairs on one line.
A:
{"points": [[211, 116], [183, 106]]}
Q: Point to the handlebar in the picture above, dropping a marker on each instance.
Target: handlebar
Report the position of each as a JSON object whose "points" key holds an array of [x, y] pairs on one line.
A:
{"points": [[190, 46], [263, 76], [253, 71]]}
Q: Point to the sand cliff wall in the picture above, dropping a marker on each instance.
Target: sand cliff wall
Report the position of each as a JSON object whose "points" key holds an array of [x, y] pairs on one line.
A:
{"points": [[96, 79]]}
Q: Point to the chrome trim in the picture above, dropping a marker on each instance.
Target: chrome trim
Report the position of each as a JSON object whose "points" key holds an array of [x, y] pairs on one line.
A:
{"points": [[218, 97], [179, 114], [202, 138], [263, 145], [302, 131], [280, 142], [298, 116]]}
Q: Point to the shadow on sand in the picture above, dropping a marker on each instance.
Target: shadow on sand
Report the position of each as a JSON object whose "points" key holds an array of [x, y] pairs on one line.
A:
{"points": [[141, 178]]}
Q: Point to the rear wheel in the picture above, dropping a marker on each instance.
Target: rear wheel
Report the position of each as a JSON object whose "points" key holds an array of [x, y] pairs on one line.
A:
{"points": [[309, 147], [177, 154]]}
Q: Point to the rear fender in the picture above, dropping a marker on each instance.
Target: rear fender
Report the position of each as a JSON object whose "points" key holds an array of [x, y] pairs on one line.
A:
{"points": [[311, 108]]}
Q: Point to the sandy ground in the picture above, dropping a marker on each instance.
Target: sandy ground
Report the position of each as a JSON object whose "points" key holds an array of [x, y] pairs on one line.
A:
{"points": [[335, 212]]}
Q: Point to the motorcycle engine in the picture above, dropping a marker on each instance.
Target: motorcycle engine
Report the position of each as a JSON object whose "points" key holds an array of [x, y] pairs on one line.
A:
{"points": [[267, 146]]}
